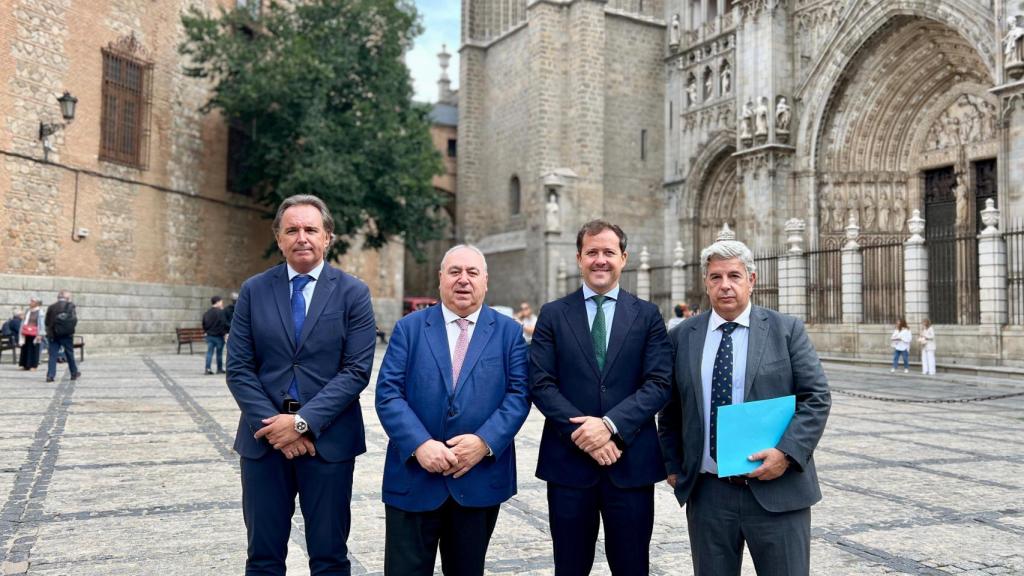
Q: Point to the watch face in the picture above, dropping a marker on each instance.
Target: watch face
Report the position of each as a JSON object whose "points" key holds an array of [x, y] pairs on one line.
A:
{"points": [[301, 426]]}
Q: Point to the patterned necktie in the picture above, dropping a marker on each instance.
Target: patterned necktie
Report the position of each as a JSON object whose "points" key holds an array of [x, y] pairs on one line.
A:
{"points": [[298, 319], [721, 382], [460, 349], [599, 333]]}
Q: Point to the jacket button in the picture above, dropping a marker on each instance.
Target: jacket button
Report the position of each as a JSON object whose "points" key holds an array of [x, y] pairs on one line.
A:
{"points": [[451, 413], [604, 388]]}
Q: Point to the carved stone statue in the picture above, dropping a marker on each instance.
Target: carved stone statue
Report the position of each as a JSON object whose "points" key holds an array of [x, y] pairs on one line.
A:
{"points": [[726, 77], [691, 91], [761, 117], [899, 212], [747, 121], [782, 115], [883, 211], [674, 33], [868, 209], [824, 214], [709, 85], [552, 223], [1013, 47], [837, 214], [960, 193]]}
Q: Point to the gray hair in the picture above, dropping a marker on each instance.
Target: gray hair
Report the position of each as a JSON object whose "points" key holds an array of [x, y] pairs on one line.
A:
{"points": [[304, 200], [460, 247], [727, 250], [64, 295]]}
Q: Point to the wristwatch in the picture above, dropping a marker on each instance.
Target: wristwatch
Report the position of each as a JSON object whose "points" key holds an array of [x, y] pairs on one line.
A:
{"points": [[300, 425]]}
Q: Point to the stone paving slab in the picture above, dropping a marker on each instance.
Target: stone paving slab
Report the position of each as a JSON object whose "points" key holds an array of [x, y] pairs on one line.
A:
{"points": [[129, 471]]}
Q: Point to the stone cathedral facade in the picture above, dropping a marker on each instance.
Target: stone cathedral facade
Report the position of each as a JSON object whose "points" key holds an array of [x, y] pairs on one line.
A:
{"points": [[675, 117]]}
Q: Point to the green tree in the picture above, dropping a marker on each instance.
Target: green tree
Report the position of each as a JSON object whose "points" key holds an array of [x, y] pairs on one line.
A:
{"points": [[323, 96]]}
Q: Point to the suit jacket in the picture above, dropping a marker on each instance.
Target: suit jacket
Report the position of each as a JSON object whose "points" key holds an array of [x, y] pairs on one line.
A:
{"points": [[416, 402], [634, 385], [780, 361], [332, 361]]}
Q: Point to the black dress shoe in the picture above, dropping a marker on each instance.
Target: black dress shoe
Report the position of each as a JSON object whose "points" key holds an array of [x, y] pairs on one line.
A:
{"points": [[220, 372], [76, 375], [209, 371], [49, 379]]}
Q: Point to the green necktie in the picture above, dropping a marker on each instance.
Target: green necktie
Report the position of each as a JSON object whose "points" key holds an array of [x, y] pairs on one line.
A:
{"points": [[598, 332]]}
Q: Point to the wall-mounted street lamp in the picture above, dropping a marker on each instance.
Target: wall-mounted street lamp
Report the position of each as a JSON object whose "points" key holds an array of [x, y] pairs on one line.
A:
{"points": [[47, 130]]}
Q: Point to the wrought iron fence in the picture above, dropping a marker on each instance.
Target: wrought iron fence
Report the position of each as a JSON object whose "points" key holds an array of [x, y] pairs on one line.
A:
{"points": [[883, 283], [1015, 272], [825, 286], [766, 290], [696, 296], [953, 286]]}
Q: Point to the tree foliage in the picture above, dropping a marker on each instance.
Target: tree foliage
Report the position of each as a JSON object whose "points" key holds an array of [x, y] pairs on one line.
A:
{"points": [[323, 95]]}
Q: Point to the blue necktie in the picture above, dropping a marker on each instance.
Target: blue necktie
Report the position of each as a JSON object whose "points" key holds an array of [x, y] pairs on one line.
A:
{"points": [[721, 382], [298, 319]]}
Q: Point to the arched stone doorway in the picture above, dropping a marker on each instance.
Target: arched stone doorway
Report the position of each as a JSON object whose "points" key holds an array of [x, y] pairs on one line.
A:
{"points": [[910, 125], [717, 200]]}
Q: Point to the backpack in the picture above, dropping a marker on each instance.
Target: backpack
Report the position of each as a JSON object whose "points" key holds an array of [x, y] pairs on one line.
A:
{"points": [[65, 321], [5, 330]]}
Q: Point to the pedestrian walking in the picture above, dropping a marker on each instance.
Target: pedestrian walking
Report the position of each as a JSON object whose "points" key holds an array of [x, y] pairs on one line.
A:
{"points": [[900, 342], [215, 326], [33, 331], [61, 321]]}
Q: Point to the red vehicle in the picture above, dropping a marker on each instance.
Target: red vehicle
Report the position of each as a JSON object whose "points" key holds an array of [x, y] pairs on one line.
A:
{"points": [[411, 304]]}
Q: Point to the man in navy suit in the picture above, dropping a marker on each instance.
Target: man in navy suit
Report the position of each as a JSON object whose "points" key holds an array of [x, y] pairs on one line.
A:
{"points": [[451, 395], [599, 371], [301, 350]]}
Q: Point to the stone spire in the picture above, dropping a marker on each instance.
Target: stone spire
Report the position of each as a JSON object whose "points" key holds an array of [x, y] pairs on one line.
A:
{"points": [[444, 84]]}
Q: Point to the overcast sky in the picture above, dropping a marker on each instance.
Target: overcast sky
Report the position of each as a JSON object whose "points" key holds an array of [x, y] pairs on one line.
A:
{"points": [[440, 20]]}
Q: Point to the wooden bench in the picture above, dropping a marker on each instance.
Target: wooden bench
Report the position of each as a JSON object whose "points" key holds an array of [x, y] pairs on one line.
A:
{"points": [[5, 344], [79, 343], [188, 336]]}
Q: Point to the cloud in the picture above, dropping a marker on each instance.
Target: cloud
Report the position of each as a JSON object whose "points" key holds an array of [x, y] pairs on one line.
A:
{"points": [[440, 20]]}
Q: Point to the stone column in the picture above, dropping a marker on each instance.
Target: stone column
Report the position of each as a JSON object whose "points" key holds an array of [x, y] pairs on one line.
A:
{"points": [[643, 275], [915, 272], [563, 278], [678, 275], [853, 276], [793, 272], [992, 268]]}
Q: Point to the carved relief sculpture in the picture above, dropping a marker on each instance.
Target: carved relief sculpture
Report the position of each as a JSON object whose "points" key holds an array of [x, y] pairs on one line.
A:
{"points": [[709, 84], [726, 78], [883, 211], [783, 115], [674, 33], [1013, 48], [747, 122], [761, 119], [868, 207], [691, 91], [824, 213]]}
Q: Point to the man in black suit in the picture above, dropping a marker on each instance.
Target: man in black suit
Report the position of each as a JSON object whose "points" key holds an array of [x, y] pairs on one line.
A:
{"points": [[733, 353], [599, 372]]}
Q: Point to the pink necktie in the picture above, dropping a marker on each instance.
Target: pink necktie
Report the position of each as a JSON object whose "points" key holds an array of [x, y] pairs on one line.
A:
{"points": [[460, 349]]}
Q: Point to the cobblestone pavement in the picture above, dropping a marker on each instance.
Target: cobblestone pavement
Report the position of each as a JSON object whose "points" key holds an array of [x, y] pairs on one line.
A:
{"points": [[130, 471]]}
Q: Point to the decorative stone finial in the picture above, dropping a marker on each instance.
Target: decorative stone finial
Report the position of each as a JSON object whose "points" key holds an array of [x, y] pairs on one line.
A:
{"points": [[852, 229], [990, 218], [795, 235], [726, 233], [563, 270], [916, 226], [645, 259], [678, 254]]}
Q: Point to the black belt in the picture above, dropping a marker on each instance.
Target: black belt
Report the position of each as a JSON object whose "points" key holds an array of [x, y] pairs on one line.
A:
{"points": [[291, 406], [733, 480]]}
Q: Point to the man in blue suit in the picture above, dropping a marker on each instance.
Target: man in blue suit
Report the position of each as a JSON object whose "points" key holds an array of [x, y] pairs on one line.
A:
{"points": [[301, 350], [600, 366], [451, 395]]}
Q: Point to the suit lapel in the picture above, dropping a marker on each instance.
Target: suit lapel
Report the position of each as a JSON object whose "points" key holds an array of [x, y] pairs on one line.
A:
{"points": [[756, 341], [322, 291], [437, 340], [282, 296], [576, 316], [698, 333], [481, 336], [625, 314]]}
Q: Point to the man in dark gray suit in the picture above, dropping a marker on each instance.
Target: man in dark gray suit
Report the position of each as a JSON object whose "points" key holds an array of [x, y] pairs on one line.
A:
{"points": [[733, 353]]}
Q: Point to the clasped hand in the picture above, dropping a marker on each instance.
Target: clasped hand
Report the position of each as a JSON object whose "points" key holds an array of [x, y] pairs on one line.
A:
{"points": [[279, 430], [453, 458], [594, 438]]}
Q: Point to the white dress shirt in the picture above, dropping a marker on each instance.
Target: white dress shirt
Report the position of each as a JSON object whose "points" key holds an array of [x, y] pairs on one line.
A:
{"points": [[453, 328], [740, 339], [608, 307], [307, 291]]}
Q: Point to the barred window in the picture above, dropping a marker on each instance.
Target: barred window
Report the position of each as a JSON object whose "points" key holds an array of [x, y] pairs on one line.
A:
{"points": [[127, 96]]}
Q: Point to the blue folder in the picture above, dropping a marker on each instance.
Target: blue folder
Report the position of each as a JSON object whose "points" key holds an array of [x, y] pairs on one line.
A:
{"points": [[744, 429]]}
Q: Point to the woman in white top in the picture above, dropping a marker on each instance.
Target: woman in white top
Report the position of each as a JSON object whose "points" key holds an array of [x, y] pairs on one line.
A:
{"points": [[927, 341], [900, 341]]}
